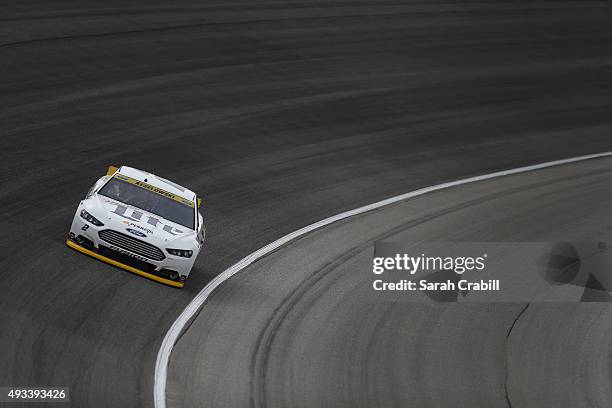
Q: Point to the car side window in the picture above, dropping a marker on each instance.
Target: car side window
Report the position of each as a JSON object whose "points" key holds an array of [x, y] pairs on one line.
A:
{"points": [[202, 231], [90, 192], [95, 186]]}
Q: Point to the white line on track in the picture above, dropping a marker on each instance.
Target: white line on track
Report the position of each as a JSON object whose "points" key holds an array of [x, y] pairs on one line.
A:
{"points": [[163, 356]]}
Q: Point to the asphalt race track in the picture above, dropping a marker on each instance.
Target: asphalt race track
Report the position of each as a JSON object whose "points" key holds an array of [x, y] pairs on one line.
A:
{"points": [[304, 328], [279, 114]]}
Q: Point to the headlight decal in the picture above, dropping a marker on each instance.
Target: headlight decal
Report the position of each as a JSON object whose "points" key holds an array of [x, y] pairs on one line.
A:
{"points": [[185, 253], [90, 218]]}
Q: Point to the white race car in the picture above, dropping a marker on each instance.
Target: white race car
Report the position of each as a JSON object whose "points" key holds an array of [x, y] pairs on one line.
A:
{"points": [[141, 223]]}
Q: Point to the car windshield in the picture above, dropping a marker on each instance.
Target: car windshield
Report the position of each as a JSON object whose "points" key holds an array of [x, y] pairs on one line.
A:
{"points": [[150, 201]]}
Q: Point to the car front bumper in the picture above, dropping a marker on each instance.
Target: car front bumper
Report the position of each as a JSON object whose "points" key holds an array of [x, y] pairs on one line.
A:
{"points": [[84, 237], [91, 252]]}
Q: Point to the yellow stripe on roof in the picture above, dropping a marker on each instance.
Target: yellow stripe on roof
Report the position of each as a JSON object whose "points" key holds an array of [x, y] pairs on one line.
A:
{"points": [[154, 189]]}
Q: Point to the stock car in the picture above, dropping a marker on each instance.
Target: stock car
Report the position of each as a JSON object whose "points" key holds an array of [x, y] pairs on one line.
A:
{"points": [[142, 223]]}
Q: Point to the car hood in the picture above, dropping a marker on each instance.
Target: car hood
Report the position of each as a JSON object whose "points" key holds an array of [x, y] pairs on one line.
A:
{"points": [[135, 221]]}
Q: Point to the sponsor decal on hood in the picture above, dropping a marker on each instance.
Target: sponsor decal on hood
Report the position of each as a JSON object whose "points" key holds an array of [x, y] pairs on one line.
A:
{"points": [[141, 220], [140, 227]]}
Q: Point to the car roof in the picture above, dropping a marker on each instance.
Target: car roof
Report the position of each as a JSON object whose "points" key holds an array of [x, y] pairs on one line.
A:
{"points": [[157, 181]]}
